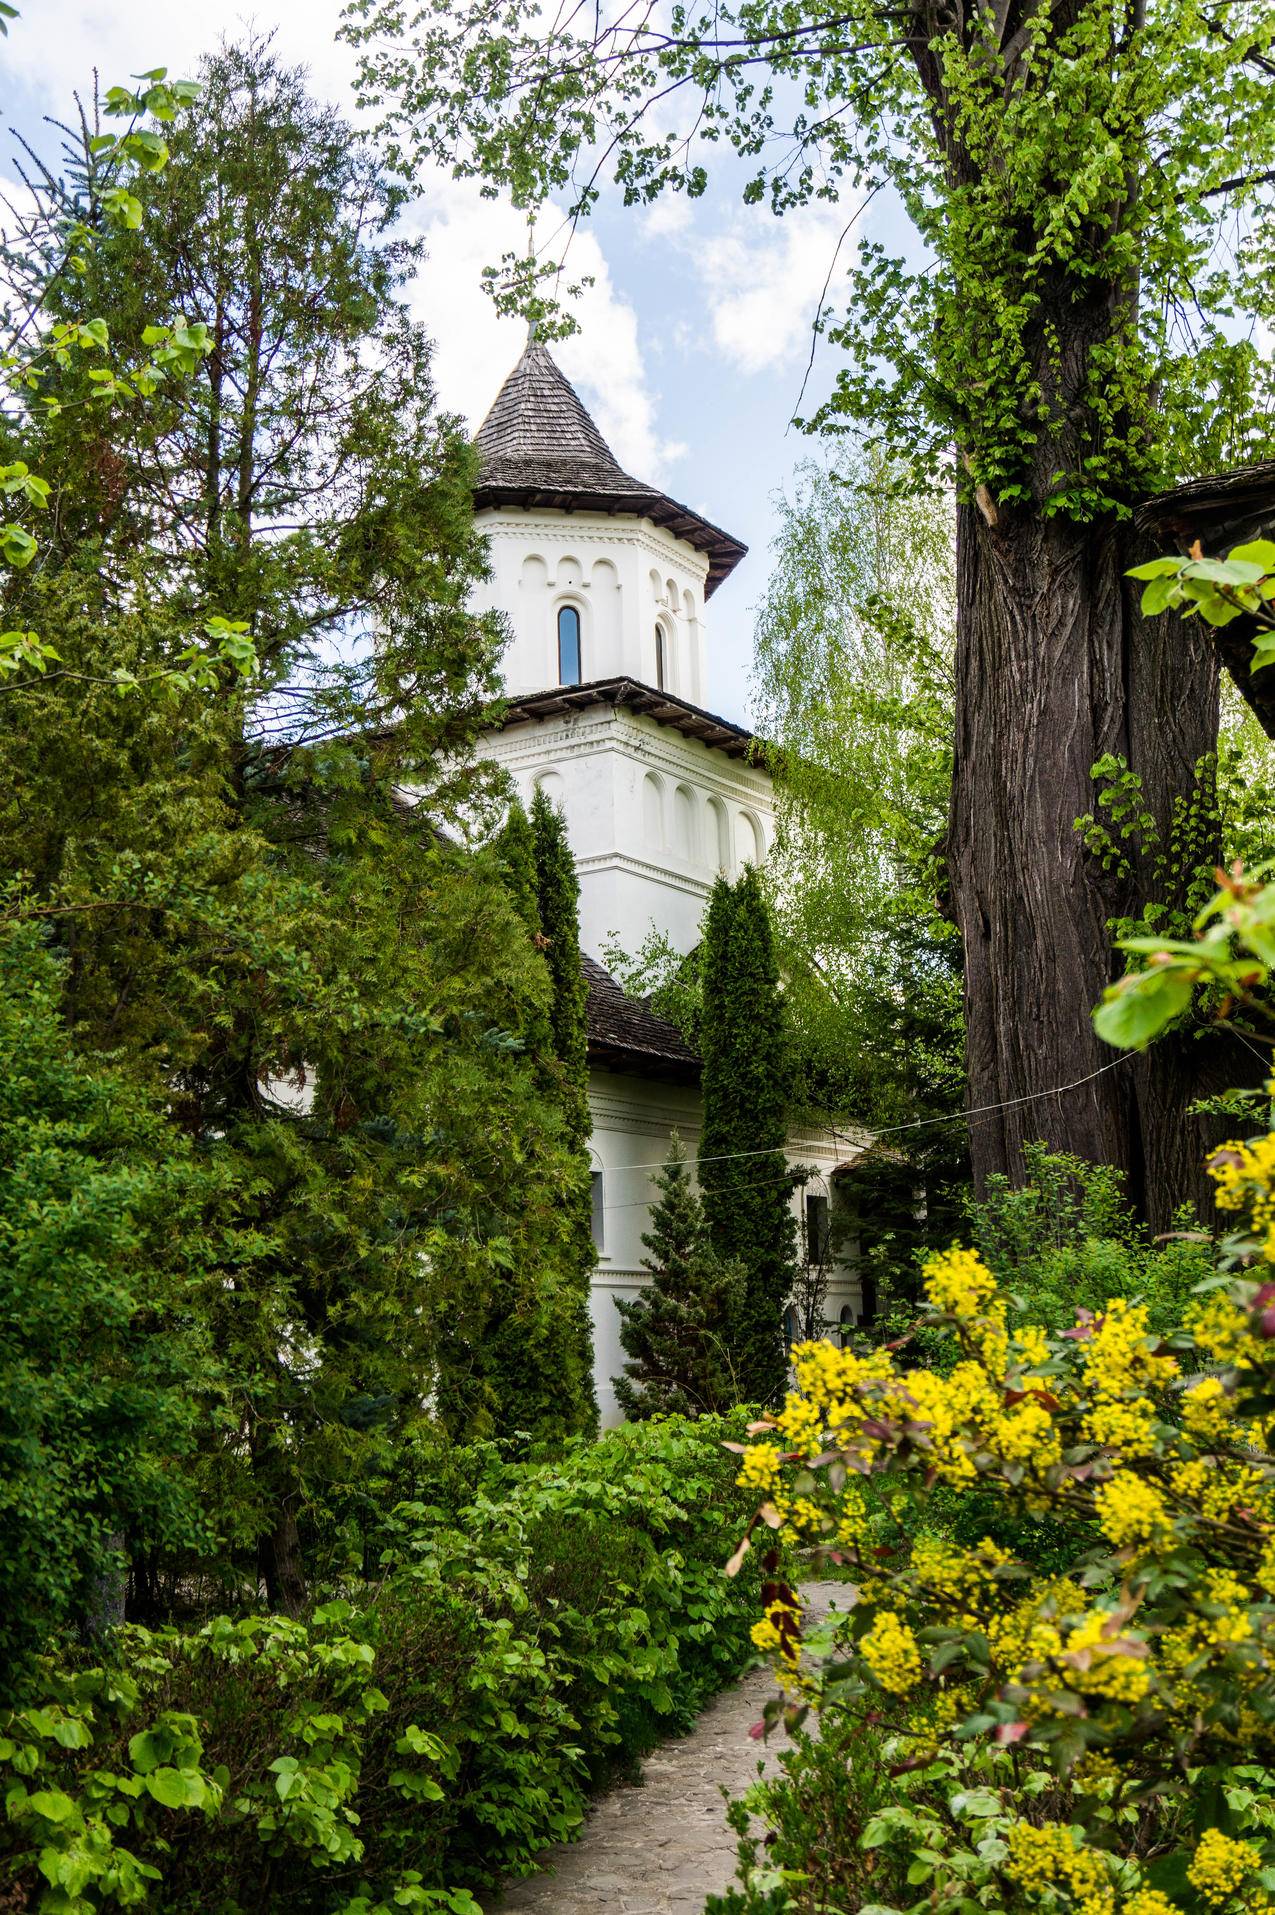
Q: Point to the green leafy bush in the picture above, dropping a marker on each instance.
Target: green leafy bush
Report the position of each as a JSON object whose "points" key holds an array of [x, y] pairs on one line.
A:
{"points": [[413, 1746], [1066, 1239]]}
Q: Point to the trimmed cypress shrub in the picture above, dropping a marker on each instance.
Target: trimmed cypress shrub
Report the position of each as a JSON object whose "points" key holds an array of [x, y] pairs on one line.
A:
{"points": [[537, 1348], [743, 1167]]}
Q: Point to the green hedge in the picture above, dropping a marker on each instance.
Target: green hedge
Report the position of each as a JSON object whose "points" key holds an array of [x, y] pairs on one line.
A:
{"points": [[403, 1746]]}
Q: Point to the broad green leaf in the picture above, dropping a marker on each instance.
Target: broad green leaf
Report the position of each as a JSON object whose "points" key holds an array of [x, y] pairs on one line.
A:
{"points": [[1142, 1005]]}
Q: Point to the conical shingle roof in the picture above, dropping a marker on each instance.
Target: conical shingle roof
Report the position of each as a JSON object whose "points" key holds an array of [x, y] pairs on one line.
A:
{"points": [[539, 447]]}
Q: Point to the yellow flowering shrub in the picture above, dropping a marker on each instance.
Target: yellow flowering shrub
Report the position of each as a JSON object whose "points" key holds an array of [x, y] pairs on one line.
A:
{"points": [[1144, 1673]]}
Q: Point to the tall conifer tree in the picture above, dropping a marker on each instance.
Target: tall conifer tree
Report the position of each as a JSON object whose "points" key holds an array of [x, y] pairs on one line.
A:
{"points": [[743, 1168], [534, 1361], [558, 893], [244, 899]]}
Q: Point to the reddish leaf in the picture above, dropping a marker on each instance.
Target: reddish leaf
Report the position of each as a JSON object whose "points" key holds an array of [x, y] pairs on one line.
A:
{"points": [[1012, 1731]]}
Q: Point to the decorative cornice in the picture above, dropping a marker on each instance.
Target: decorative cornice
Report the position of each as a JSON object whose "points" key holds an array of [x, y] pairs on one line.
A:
{"points": [[638, 737], [567, 528]]}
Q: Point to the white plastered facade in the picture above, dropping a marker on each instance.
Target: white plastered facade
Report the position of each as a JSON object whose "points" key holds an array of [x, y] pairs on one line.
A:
{"points": [[652, 816]]}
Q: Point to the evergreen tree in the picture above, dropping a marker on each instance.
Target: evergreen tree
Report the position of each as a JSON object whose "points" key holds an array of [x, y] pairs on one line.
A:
{"points": [[558, 895], [532, 1369], [322, 986], [679, 1334], [743, 1169], [105, 1269]]}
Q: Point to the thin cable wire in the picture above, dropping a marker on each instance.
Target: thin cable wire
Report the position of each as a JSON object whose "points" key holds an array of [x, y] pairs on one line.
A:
{"points": [[893, 1130]]}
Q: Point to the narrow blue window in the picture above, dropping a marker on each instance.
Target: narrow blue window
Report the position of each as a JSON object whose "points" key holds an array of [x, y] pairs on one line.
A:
{"points": [[568, 646]]}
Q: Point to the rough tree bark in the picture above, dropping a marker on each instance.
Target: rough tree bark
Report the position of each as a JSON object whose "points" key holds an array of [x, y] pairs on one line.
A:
{"points": [[1055, 667]]}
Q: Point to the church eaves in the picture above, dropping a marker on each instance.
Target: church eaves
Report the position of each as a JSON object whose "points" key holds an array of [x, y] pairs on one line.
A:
{"points": [[539, 447]]}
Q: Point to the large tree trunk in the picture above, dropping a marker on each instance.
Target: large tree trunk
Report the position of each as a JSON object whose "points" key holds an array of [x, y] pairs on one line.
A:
{"points": [[1054, 669]]}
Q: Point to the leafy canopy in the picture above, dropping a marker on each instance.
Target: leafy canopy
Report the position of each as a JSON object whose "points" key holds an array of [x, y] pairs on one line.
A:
{"points": [[1090, 184]]}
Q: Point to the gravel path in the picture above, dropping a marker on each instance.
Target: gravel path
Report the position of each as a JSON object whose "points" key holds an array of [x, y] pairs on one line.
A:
{"points": [[660, 1848]]}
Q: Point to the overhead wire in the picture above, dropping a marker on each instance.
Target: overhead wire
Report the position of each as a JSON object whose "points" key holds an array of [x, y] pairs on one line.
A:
{"points": [[889, 1130]]}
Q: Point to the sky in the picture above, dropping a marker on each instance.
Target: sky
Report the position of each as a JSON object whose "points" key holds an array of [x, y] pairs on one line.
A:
{"points": [[694, 336]]}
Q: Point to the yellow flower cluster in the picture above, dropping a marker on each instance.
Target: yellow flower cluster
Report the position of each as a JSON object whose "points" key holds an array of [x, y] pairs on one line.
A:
{"points": [[759, 1468], [890, 1651], [1026, 1434], [1118, 1354], [1030, 1349], [1051, 1857], [963, 1578], [1219, 1326], [1020, 1415], [779, 1632], [1148, 1901], [1206, 1409], [1127, 1426], [1131, 1511], [1220, 1867], [1244, 1174], [959, 1283], [1216, 1488], [1105, 1662]]}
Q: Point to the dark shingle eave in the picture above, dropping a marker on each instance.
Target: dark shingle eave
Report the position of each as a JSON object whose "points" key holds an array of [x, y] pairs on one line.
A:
{"points": [[626, 1035], [630, 694]]}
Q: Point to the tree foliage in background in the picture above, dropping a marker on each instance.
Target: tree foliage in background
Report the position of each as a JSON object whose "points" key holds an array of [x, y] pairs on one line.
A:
{"points": [[1090, 187], [324, 985], [743, 1169], [679, 1333], [854, 693]]}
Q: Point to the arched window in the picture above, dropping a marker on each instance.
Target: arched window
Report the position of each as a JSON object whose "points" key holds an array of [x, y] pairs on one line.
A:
{"points": [[597, 1210], [568, 645], [661, 659], [847, 1326]]}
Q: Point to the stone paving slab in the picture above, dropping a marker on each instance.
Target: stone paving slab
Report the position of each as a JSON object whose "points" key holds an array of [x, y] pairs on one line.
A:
{"points": [[663, 1846]]}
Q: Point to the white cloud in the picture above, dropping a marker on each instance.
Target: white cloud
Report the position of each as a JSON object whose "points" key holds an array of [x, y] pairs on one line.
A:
{"points": [[763, 280], [476, 348], [56, 44], [54, 49]]}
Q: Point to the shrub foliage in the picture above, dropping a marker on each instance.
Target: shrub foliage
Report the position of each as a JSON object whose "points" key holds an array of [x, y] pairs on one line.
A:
{"points": [[536, 1625], [1096, 1736]]}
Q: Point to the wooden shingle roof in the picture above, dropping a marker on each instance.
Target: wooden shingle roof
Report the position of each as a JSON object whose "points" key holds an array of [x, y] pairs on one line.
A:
{"points": [[538, 446], [625, 1034], [629, 694]]}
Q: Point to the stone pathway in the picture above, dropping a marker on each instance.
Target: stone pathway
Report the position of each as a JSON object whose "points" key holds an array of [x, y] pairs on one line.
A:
{"points": [[662, 1847]]}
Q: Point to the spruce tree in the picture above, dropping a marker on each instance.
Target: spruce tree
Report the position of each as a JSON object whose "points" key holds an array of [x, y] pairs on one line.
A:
{"points": [[679, 1334], [743, 1168]]}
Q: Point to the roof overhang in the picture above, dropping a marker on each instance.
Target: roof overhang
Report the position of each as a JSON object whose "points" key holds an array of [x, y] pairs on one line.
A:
{"points": [[628, 694], [626, 1035]]}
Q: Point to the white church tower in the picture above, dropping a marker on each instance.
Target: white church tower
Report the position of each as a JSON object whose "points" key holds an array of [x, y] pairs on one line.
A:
{"points": [[604, 582]]}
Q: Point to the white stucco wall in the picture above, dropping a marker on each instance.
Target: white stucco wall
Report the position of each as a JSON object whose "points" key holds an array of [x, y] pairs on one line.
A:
{"points": [[652, 816], [624, 576], [633, 1121]]}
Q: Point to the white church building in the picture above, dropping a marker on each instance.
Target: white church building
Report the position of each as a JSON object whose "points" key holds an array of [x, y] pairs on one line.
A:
{"points": [[605, 582]]}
